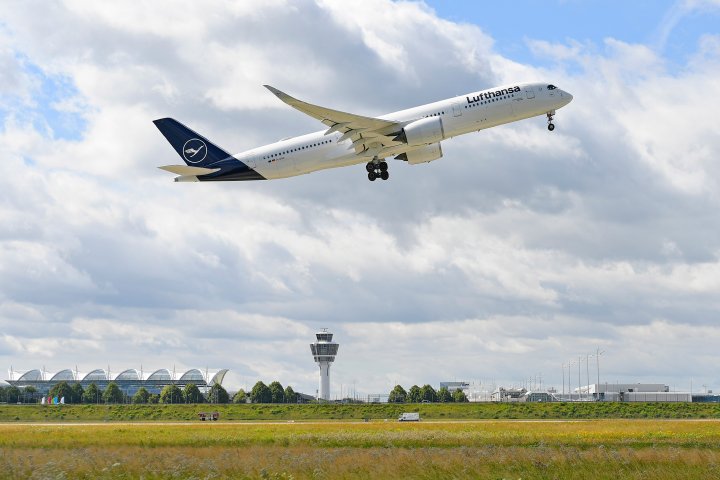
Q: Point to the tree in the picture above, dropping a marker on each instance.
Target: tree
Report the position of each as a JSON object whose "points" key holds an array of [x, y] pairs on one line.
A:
{"points": [[240, 396], [29, 394], [444, 396], [428, 393], [218, 394], [113, 394], [171, 394], [192, 394], [459, 396], [3, 395], [77, 393], [397, 395], [12, 394], [260, 393], [414, 395], [60, 390], [290, 395], [154, 398], [92, 394], [277, 393], [141, 396]]}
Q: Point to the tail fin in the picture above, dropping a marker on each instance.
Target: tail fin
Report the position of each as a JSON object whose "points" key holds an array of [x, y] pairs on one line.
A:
{"points": [[195, 150]]}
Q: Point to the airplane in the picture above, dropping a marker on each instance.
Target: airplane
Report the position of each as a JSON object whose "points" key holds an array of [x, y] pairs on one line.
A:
{"points": [[413, 135]]}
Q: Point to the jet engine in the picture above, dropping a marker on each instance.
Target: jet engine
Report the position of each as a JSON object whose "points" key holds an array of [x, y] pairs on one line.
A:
{"points": [[422, 132], [425, 154]]}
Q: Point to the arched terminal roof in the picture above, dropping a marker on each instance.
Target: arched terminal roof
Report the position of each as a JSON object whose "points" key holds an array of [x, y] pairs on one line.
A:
{"points": [[98, 374], [218, 377], [129, 374], [31, 376], [63, 375], [161, 374], [192, 375]]}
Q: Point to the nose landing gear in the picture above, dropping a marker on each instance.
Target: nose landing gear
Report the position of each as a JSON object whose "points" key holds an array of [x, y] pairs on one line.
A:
{"points": [[551, 126], [377, 169]]}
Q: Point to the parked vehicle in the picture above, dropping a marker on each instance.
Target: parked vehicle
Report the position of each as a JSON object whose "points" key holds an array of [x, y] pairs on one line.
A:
{"points": [[409, 417], [208, 416]]}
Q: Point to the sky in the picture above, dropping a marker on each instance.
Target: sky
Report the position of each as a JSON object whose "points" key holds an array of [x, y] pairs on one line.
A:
{"points": [[518, 252]]}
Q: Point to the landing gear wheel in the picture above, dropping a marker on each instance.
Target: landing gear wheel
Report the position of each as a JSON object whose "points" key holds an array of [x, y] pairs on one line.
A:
{"points": [[550, 115], [377, 168]]}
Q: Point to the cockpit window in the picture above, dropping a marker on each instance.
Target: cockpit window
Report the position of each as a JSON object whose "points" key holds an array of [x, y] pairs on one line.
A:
{"points": [[551, 87]]}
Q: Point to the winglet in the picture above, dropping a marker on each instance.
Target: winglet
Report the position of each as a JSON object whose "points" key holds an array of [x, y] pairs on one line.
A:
{"points": [[332, 117], [284, 97]]}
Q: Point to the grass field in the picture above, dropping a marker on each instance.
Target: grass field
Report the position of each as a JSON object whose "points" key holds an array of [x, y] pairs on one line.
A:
{"points": [[38, 413], [608, 440], [627, 449]]}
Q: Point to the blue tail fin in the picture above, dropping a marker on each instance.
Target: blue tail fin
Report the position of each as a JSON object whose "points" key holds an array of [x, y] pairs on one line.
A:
{"points": [[195, 150]]}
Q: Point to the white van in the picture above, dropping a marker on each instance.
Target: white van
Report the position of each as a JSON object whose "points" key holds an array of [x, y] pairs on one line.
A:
{"points": [[409, 417]]}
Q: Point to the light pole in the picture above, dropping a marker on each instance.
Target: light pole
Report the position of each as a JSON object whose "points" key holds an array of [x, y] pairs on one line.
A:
{"points": [[579, 381], [563, 375], [597, 357], [587, 371]]}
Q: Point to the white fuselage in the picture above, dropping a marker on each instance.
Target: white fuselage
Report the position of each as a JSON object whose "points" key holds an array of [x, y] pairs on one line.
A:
{"points": [[460, 115]]}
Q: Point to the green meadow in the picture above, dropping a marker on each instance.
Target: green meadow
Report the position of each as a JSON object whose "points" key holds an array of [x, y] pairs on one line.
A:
{"points": [[603, 449], [438, 411]]}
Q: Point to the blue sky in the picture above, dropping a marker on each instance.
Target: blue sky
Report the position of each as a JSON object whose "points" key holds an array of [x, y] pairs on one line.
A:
{"points": [[561, 21], [43, 102], [514, 253]]}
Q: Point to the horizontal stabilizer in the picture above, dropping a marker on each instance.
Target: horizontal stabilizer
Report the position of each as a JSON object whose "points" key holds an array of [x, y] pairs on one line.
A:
{"points": [[187, 178], [186, 170]]}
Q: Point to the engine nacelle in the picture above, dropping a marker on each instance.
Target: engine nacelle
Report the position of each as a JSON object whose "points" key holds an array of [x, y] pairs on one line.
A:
{"points": [[424, 154], [422, 132]]}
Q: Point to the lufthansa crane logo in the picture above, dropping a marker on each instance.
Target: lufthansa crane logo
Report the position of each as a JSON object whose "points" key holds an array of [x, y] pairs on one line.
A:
{"points": [[194, 150]]}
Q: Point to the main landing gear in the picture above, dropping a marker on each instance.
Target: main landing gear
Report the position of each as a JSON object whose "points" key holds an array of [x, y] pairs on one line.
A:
{"points": [[377, 169], [551, 126]]}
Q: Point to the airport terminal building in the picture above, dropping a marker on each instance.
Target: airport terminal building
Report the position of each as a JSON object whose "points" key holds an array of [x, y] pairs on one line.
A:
{"points": [[129, 381]]}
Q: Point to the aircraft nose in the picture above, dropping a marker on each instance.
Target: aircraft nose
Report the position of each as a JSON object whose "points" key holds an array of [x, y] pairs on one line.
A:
{"points": [[567, 96]]}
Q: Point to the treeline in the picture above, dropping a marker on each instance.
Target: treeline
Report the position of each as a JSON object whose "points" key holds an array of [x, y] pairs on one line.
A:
{"points": [[75, 393], [261, 393], [426, 394], [14, 394]]}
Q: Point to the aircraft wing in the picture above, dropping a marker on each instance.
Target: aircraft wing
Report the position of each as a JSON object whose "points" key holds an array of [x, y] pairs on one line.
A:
{"points": [[369, 135]]}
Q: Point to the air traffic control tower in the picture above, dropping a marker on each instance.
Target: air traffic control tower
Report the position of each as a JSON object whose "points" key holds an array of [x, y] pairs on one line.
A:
{"points": [[324, 351]]}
